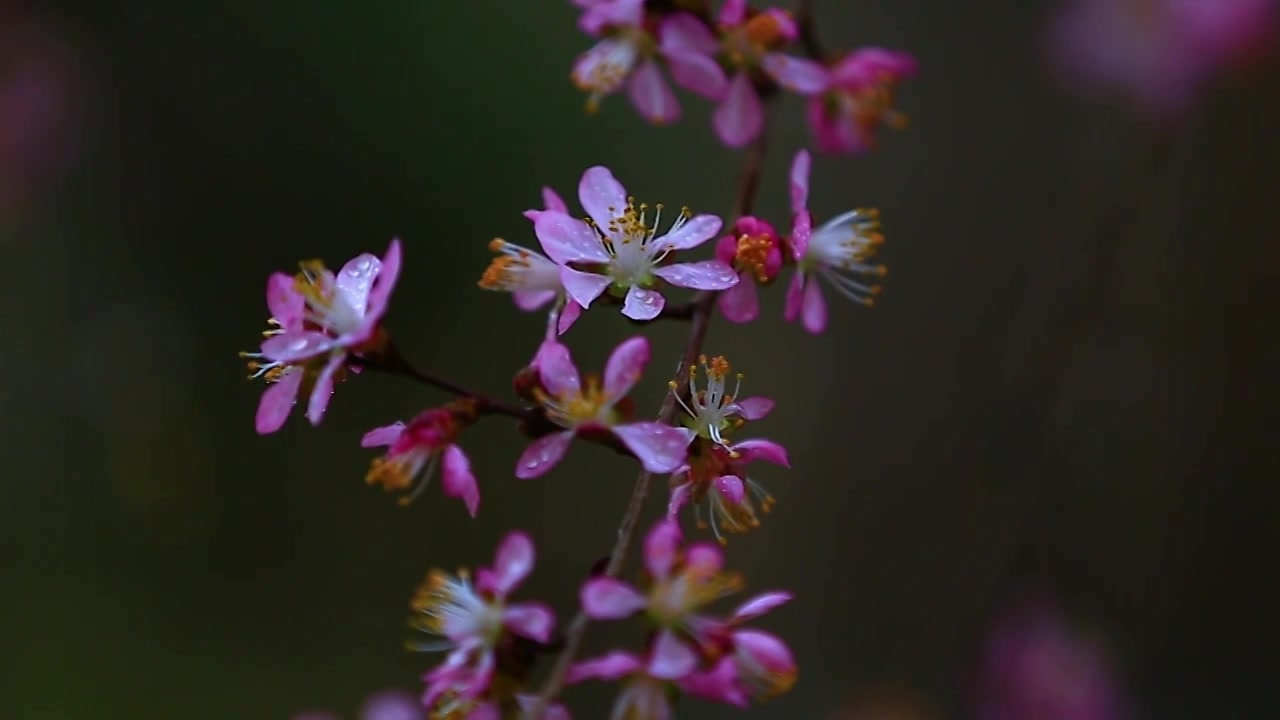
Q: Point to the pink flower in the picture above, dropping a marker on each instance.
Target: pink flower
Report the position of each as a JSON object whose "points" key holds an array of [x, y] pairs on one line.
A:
{"points": [[384, 705], [623, 250], [1158, 52], [717, 475], [713, 411], [321, 319], [848, 116], [474, 620], [414, 451], [681, 583], [745, 664], [752, 40], [838, 252], [1037, 667], [628, 55], [591, 407], [755, 250], [647, 681]]}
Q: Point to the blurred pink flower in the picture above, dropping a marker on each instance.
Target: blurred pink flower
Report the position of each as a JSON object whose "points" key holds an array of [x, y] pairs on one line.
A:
{"points": [[646, 681], [1160, 53], [754, 665], [847, 118], [474, 619], [837, 251], [383, 705], [591, 407], [754, 249], [414, 451], [712, 411], [624, 248], [39, 77], [1038, 668], [753, 40], [628, 54]]}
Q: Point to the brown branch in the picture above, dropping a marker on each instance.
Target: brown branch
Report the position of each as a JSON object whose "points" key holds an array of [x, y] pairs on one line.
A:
{"points": [[533, 421], [809, 31], [701, 310]]}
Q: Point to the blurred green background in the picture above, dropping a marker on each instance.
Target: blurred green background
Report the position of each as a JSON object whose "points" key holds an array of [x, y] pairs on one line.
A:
{"points": [[1038, 401]]}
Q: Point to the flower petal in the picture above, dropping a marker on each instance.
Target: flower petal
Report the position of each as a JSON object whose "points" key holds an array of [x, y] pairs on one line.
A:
{"points": [[799, 181], [556, 370], [670, 658], [391, 705], [740, 303], [606, 598], [730, 488], [720, 684], [814, 310], [701, 275], [542, 455], [458, 479], [512, 562], [285, 302], [679, 498], [766, 650], [551, 201], [684, 32], [798, 75], [801, 229], [382, 436], [355, 280], [753, 408], [323, 389], [625, 366], [652, 97], [532, 620], [610, 667], [697, 73], [739, 119], [380, 294], [567, 239], [795, 296], [734, 12], [528, 300], [296, 346], [692, 233], [759, 605], [767, 450], [661, 547], [704, 559], [583, 287], [641, 304], [277, 402], [569, 314], [603, 197], [659, 447]]}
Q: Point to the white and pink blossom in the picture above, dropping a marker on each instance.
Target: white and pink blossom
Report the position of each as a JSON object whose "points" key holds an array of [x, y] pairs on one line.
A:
{"points": [[413, 453], [620, 249], [838, 252], [590, 405]]}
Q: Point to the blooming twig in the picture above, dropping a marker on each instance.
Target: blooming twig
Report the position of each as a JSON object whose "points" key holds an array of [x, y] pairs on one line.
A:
{"points": [[700, 317]]}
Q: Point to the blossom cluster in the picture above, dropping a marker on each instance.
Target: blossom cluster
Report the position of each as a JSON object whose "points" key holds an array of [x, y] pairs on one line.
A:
{"points": [[735, 57], [618, 254]]}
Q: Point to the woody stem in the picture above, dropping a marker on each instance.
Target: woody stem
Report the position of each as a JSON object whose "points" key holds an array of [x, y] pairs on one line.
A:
{"points": [[700, 319]]}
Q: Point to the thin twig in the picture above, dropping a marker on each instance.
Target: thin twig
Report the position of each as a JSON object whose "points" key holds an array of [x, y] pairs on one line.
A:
{"points": [[701, 310], [533, 424], [808, 31]]}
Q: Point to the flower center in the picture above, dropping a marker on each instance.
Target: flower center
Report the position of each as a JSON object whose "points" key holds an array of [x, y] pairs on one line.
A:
{"points": [[517, 268], [451, 607], [709, 408], [689, 590], [752, 255], [632, 241], [326, 308], [574, 408], [752, 39], [872, 106]]}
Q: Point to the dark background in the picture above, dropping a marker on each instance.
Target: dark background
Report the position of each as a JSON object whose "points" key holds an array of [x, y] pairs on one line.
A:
{"points": [[1068, 386]]}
